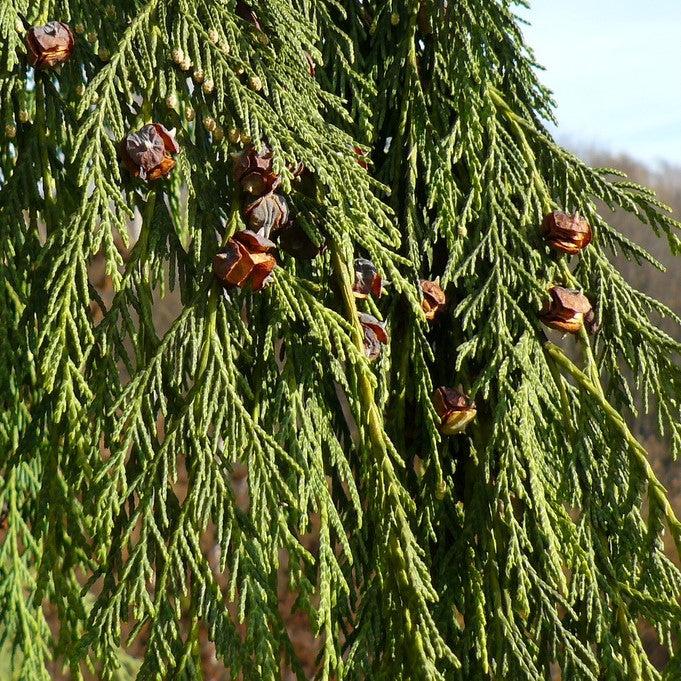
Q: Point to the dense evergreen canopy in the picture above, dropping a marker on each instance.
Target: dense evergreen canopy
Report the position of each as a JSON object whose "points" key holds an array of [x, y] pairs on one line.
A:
{"points": [[528, 540]]}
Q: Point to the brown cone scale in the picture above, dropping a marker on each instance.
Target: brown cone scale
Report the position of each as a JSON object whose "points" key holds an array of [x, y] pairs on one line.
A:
{"points": [[367, 279], [434, 299], [49, 45], [253, 171], [148, 153], [455, 409], [566, 232], [246, 259], [375, 335], [567, 311], [267, 214]]}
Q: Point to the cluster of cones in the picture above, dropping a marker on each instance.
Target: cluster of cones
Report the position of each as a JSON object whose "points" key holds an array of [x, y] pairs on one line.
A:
{"points": [[454, 408], [248, 257], [569, 310]]}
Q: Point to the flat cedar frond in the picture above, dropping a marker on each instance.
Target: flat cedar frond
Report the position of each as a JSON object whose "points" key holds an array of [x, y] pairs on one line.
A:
{"points": [[272, 285]]}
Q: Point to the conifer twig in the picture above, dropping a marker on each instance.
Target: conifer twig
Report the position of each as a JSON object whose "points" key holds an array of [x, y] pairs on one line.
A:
{"points": [[657, 490]]}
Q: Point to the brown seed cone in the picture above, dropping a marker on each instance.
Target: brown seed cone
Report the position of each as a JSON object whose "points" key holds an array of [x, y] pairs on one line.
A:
{"points": [[148, 153], [567, 310], [246, 12], [49, 45], [372, 346], [361, 155], [454, 408], [367, 279], [368, 321], [566, 232], [253, 171], [267, 214], [434, 299], [246, 259], [294, 240]]}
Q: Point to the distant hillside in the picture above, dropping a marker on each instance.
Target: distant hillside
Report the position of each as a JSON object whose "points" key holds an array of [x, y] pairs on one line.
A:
{"points": [[665, 286], [666, 181]]}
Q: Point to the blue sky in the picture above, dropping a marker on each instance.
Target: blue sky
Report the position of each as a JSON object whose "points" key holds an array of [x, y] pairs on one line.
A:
{"points": [[615, 70]]}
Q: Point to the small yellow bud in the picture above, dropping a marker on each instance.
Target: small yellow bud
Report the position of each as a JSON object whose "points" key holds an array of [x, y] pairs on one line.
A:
{"points": [[208, 86], [198, 76], [190, 114], [245, 139], [263, 39], [10, 131], [255, 83], [23, 116], [171, 102], [213, 36], [462, 231], [218, 134], [80, 90], [104, 54], [395, 19], [110, 11], [233, 135], [177, 55], [209, 123], [186, 64], [80, 29], [91, 37]]}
